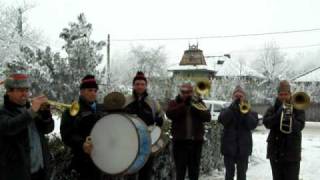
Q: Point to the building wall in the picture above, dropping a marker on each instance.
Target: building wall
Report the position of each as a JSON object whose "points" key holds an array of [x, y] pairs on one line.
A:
{"points": [[192, 75]]}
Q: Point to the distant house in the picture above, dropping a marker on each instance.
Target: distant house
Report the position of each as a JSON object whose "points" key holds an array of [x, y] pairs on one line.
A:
{"points": [[235, 69], [195, 66], [192, 66], [309, 82], [312, 76]]}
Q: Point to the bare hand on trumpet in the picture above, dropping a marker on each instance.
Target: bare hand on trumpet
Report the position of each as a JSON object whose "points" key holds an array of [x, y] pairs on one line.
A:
{"points": [[87, 145], [37, 102]]}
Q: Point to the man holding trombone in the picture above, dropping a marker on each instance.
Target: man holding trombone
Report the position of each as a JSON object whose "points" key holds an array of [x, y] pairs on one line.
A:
{"points": [[236, 143], [23, 150], [286, 120]]}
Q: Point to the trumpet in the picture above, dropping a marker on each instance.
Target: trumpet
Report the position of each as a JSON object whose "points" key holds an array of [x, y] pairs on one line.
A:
{"points": [[244, 107], [300, 101], [74, 107], [202, 88]]}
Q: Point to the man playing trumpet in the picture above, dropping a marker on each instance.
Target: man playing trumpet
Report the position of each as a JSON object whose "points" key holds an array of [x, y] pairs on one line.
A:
{"points": [[188, 114], [23, 150], [284, 141], [236, 143]]}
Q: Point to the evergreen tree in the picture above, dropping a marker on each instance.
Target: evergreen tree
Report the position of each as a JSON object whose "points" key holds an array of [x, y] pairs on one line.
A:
{"points": [[83, 57]]}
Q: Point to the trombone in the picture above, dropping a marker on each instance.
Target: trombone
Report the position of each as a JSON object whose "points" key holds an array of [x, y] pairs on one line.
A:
{"points": [[300, 101]]}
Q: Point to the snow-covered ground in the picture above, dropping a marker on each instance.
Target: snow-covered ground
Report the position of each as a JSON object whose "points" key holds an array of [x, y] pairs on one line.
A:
{"points": [[259, 166]]}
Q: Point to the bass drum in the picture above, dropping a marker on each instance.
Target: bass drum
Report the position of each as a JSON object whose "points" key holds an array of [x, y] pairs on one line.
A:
{"points": [[121, 144]]}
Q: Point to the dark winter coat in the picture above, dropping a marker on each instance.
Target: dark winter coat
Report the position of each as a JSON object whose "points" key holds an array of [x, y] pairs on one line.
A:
{"points": [[177, 112], [283, 147], [74, 131], [14, 140], [145, 108], [236, 140]]}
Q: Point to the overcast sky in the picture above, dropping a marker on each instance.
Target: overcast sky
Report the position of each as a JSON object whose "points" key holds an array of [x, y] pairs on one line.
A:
{"points": [[130, 19]]}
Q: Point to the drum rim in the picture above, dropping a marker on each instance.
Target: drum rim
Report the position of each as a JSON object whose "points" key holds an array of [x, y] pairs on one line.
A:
{"points": [[157, 141], [126, 169], [159, 136], [148, 156]]}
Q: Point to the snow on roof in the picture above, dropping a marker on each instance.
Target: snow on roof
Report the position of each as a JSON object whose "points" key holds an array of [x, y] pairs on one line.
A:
{"points": [[216, 62], [211, 61], [190, 67], [310, 76], [235, 68], [223, 65]]}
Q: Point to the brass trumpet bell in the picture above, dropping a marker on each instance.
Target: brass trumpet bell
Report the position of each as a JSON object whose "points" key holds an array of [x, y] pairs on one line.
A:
{"points": [[244, 107], [74, 107]]}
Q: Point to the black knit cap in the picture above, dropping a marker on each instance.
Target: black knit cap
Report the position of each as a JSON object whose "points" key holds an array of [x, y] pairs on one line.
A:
{"points": [[88, 81], [139, 76]]}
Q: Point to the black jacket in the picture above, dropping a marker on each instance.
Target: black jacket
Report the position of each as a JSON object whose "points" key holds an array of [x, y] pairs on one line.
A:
{"points": [[146, 109], [14, 140], [283, 147], [236, 139], [74, 131], [177, 112]]}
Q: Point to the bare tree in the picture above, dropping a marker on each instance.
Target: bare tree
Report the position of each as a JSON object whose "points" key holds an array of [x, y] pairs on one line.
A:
{"points": [[271, 62], [153, 62]]}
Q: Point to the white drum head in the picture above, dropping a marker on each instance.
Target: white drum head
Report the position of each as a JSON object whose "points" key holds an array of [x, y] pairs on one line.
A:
{"points": [[155, 133], [115, 143]]}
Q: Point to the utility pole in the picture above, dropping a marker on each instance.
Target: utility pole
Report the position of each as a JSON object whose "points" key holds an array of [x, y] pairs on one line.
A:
{"points": [[19, 22], [108, 64]]}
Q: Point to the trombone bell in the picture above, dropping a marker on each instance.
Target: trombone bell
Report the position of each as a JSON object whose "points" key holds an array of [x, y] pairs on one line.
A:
{"points": [[203, 88], [300, 100]]}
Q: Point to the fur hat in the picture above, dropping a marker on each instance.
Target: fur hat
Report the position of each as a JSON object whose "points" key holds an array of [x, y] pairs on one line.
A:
{"points": [[17, 81], [88, 81]]}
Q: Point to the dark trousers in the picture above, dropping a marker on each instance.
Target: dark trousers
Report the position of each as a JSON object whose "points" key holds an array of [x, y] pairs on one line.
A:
{"points": [[40, 175], [88, 172], [231, 162], [145, 173], [285, 170], [187, 155]]}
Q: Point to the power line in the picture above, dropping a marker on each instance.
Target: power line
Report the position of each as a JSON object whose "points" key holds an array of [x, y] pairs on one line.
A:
{"points": [[280, 48], [218, 36]]}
